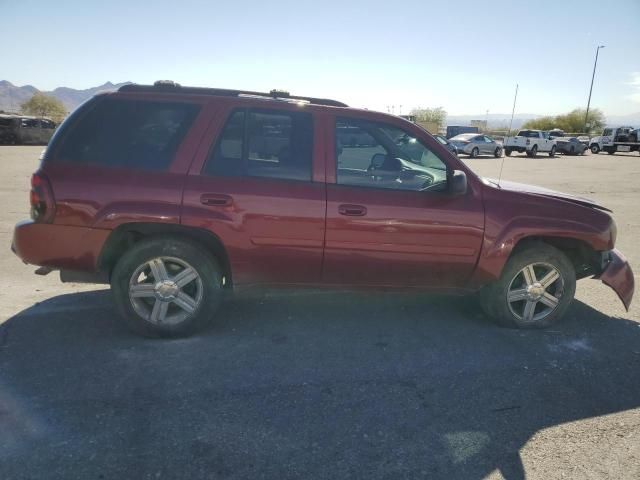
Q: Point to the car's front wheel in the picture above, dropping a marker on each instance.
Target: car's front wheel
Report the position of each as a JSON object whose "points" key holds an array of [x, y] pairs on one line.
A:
{"points": [[498, 152], [535, 289], [595, 149], [166, 287]]}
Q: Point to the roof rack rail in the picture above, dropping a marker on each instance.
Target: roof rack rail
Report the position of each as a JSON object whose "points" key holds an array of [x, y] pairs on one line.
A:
{"points": [[170, 86]]}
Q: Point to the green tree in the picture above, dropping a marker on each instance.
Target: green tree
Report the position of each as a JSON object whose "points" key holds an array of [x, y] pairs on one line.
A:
{"points": [[41, 105], [430, 115], [572, 122]]}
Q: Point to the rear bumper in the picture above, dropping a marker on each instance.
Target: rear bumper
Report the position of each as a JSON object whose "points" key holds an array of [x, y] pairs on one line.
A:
{"points": [[58, 246], [618, 275]]}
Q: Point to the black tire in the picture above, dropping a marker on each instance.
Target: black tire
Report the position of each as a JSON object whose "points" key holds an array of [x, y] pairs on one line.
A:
{"points": [[507, 152], [533, 152], [475, 152], [611, 152], [498, 152], [595, 148], [552, 153], [184, 250], [494, 296]]}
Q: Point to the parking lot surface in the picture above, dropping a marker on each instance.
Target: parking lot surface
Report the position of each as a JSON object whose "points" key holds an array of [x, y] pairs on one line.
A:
{"points": [[324, 384]]}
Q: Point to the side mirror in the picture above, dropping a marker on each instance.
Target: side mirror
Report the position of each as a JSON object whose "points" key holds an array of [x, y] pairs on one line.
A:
{"points": [[458, 183]]}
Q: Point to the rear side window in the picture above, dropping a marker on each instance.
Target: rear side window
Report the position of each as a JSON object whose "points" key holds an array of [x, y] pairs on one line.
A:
{"points": [[264, 143], [127, 133]]}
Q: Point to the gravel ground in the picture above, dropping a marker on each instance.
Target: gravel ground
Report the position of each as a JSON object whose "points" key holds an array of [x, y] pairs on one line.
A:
{"points": [[324, 385]]}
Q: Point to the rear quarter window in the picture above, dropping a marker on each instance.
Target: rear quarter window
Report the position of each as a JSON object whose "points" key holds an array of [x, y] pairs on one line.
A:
{"points": [[126, 133]]}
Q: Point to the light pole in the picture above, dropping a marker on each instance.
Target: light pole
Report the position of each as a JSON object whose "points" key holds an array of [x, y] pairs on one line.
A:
{"points": [[586, 115]]}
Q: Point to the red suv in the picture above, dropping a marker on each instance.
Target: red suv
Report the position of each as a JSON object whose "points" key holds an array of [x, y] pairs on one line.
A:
{"points": [[174, 194]]}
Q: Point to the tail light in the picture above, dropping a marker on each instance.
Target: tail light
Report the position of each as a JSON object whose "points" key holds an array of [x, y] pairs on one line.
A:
{"points": [[41, 199]]}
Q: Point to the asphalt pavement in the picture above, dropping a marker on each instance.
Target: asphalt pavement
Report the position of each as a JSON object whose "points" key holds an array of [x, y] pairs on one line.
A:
{"points": [[325, 385]]}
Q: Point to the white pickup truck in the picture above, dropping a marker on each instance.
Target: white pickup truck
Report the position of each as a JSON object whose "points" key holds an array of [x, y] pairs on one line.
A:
{"points": [[530, 142]]}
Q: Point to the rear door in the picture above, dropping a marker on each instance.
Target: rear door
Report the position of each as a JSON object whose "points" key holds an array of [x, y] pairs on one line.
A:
{"points": [[258, 185], [390, 221]]}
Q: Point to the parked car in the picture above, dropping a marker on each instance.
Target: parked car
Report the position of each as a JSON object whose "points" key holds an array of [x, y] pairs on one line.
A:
{"points": [[474, 144], [448, 145], [175, 195], [530, 142], [24, 130], [455, 130], [570, 146]]}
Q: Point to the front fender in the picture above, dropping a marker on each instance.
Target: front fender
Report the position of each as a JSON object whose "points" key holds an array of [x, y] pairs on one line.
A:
{"points": [[500, 241]]}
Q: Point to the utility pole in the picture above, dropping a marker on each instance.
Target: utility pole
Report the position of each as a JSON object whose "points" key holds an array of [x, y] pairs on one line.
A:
{"points": [[586, 115]]}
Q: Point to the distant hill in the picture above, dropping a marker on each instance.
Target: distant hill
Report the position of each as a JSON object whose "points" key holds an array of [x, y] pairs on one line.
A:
{"points": [[11, 96], [501, 120]]}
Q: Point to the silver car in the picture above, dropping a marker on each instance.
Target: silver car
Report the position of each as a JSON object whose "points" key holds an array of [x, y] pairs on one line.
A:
{"points": [[474, 144]]}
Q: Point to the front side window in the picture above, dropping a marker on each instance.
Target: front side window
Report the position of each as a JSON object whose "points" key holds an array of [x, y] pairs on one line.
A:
{"points": [[390, 158], [264, 143], [128, 133]]}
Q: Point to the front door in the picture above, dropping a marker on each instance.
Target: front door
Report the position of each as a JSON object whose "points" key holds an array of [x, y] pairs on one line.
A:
{"points": [[390, 220], [257, 192]]}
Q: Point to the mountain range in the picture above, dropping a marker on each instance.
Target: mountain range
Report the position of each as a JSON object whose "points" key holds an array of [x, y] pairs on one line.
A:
{"points": [[12, 96]]}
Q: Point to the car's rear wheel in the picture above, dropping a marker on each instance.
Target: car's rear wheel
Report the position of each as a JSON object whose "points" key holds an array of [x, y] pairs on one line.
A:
{"points": [[507, 152], [552, 153], [533, 152], [595, 149], [475, 152], [166, 287], [535, 289], [498, 152]]}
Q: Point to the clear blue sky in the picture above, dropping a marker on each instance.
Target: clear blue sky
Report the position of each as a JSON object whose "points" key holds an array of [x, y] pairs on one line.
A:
{"points": [[465, 56]]}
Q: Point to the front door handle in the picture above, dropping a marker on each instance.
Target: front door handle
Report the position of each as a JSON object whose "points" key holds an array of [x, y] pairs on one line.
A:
{"points": [[352, 210], [216, 200]]}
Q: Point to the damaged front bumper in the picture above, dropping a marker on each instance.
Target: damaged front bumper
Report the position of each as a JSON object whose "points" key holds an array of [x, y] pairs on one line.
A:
{"points": [[617, 274]]}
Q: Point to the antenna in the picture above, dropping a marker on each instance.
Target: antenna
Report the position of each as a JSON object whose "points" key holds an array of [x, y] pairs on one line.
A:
{"points": [[509, 132]]}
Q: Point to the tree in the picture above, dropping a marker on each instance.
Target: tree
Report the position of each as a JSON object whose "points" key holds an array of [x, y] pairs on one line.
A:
{"points": [[572, 122], [41, 105], [430, 115]]}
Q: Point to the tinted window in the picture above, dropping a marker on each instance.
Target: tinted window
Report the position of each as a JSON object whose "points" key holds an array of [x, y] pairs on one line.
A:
{"points": [[126, 133], [47, 124], [528, 134], [392, 159], [264, 143], [29, 123]]}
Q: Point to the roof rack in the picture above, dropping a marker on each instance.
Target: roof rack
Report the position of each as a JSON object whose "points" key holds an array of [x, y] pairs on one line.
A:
{"points": [[170, 86]]}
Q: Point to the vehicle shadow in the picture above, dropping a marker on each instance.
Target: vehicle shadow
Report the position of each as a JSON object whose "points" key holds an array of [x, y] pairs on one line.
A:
{"points": [[311, 385]]}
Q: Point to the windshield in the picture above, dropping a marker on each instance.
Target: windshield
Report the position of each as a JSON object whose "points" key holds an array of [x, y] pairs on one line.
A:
{"points": [[464, 137]]}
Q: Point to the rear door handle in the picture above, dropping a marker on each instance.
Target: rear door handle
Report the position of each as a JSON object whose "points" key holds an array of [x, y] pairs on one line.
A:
{"points": [[216, 199], [352, 210]]}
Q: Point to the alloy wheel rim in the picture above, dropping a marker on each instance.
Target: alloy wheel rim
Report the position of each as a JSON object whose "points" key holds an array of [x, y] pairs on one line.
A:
{"points": [[165, 290], [535, 292]]}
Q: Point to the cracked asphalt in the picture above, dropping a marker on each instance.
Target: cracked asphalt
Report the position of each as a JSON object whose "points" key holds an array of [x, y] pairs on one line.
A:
{"points": [[325, 385]]}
